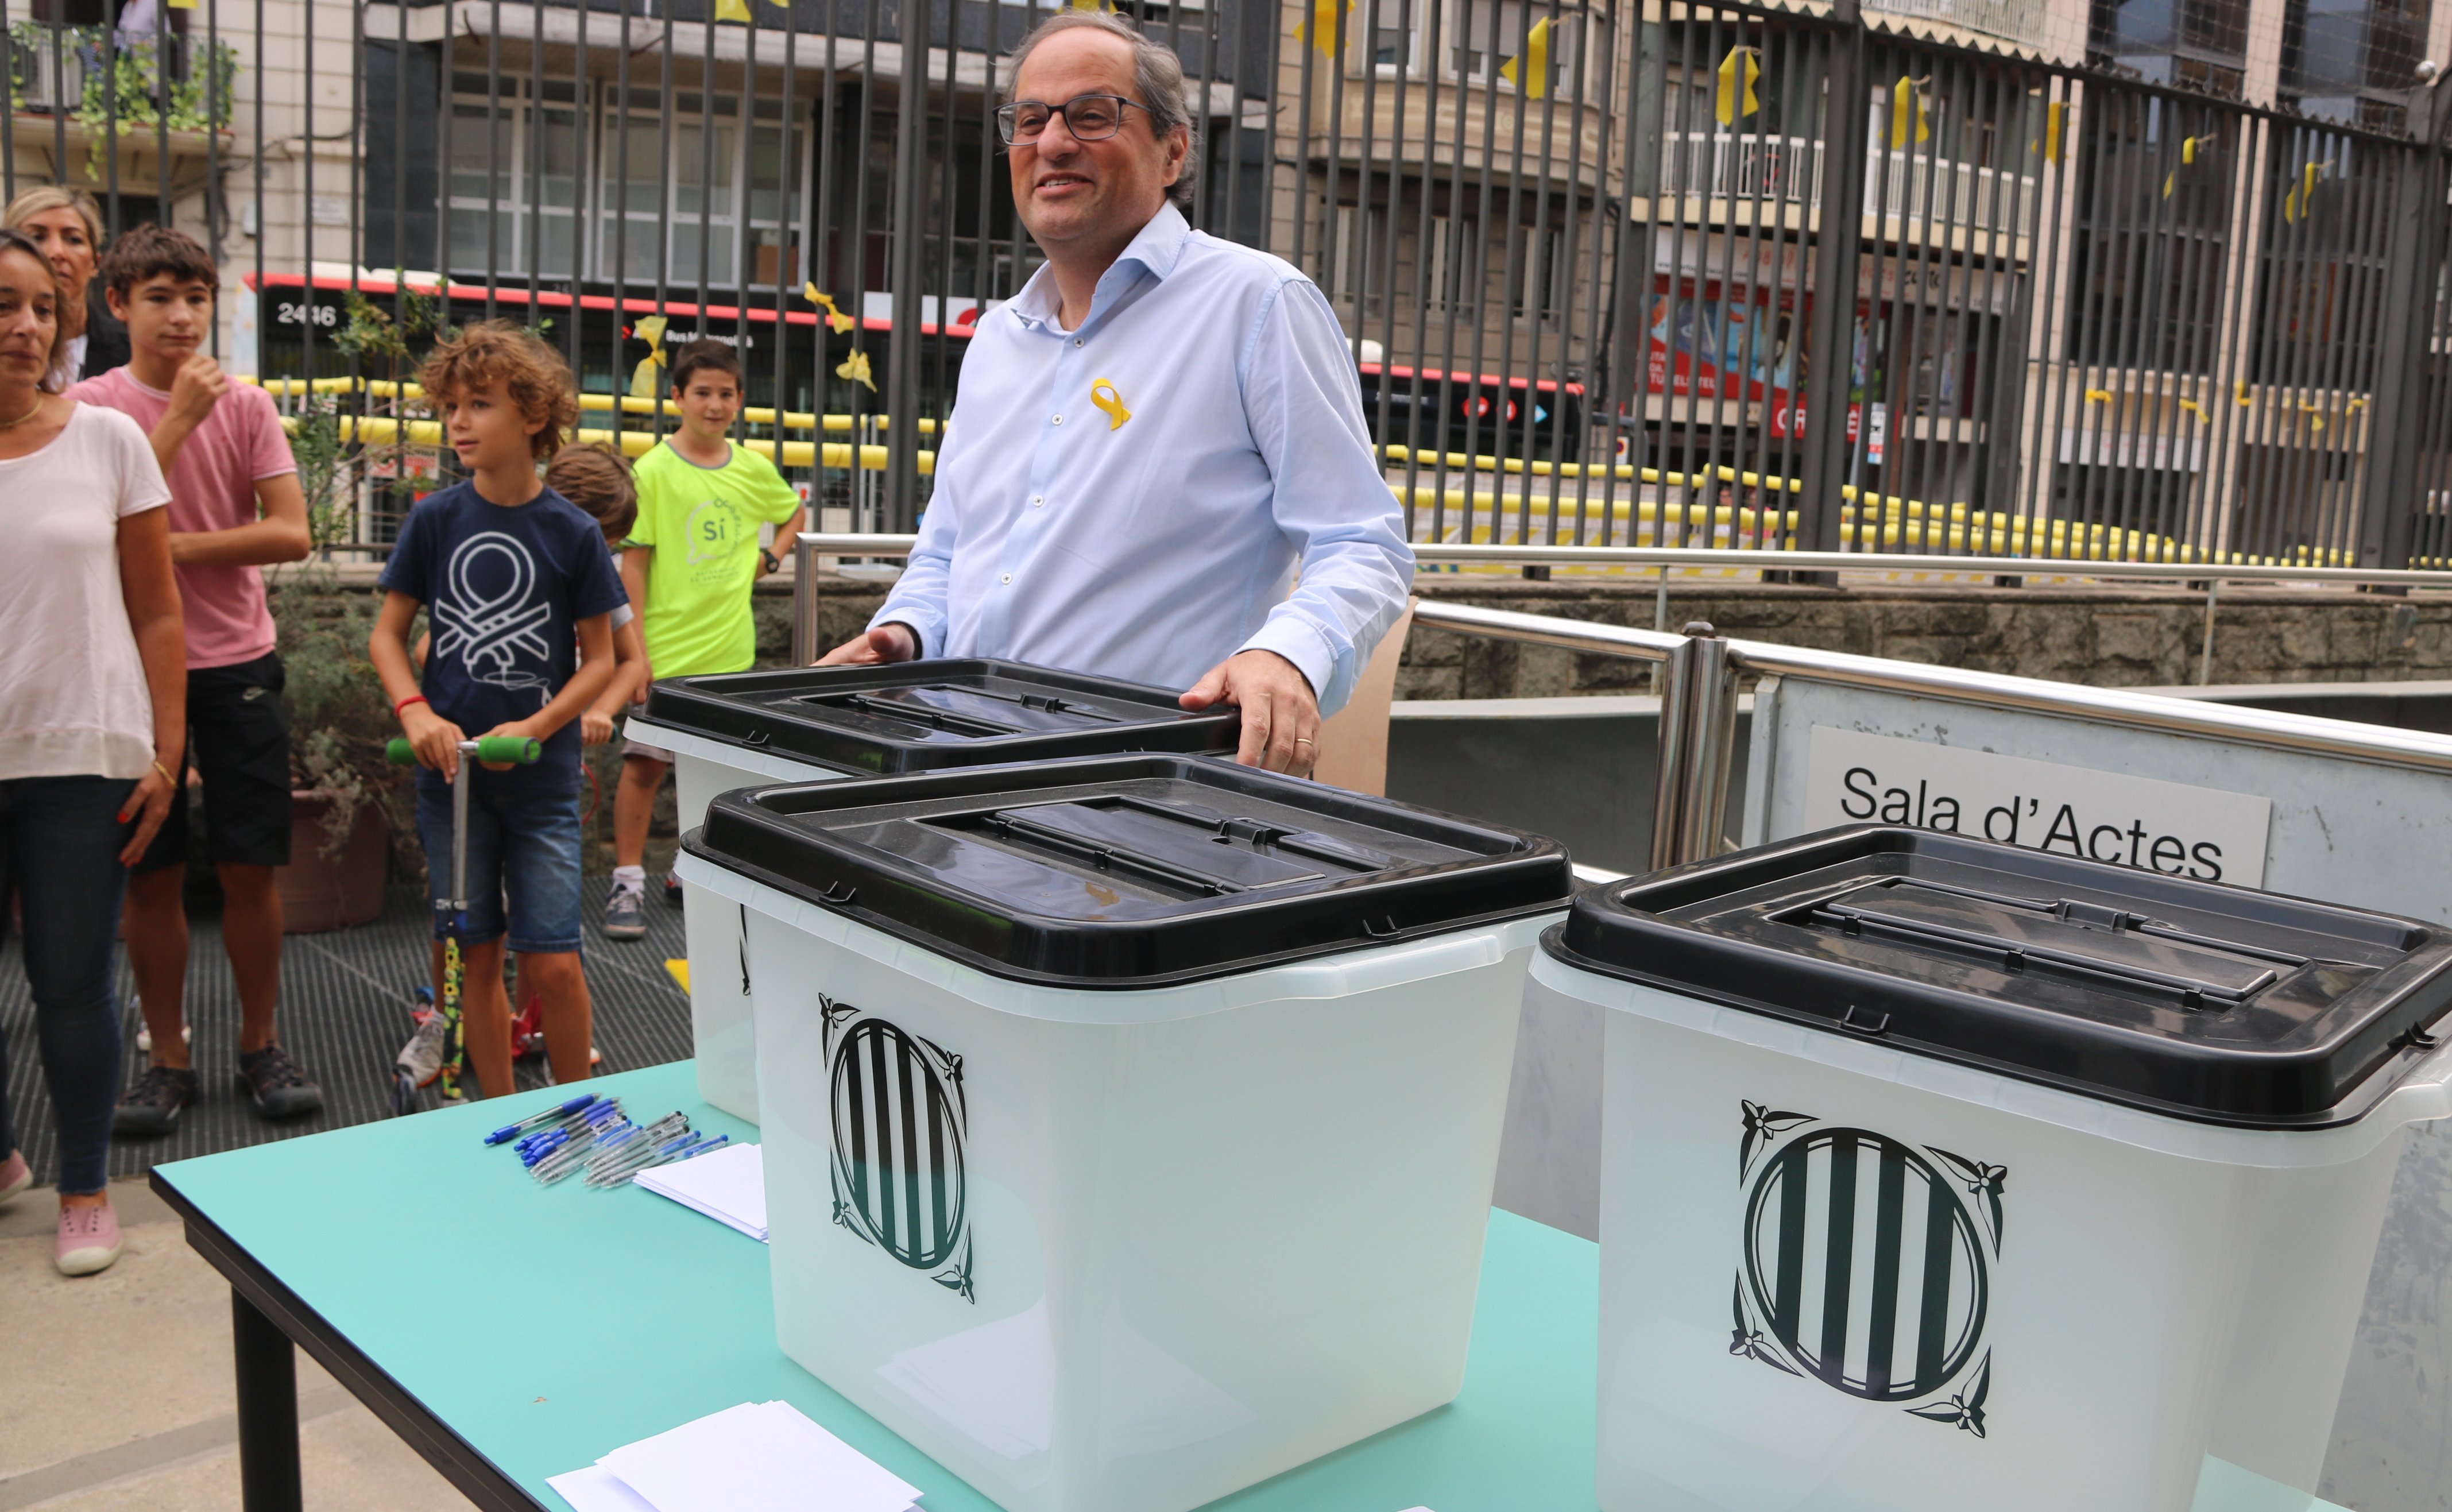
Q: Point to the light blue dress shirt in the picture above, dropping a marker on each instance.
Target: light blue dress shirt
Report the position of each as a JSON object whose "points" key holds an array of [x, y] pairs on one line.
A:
{"points": [[1153, 549]]}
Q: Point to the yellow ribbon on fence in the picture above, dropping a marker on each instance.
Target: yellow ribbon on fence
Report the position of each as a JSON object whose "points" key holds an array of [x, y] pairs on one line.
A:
{"points": [[1900, 94], [2054, 115], [734, 11], [856, 368], [1534, 80], [1102, 395], [2297, 202], [2240, 393], [835, 318], [2315, 414], [1320, 30], [2098, 396], [2195, 408], [643, 378], [1738, 72]]}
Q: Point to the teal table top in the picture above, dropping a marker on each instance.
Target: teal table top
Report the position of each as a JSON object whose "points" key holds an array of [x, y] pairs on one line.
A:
{"points": [[546, 1326]]}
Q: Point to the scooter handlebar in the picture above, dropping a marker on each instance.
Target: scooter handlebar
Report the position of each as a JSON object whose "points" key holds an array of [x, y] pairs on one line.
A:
{"points": [[522, 749]]}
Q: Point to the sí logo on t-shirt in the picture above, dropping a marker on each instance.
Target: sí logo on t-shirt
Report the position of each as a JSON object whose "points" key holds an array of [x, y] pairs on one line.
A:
{"points": [[492, 619]]}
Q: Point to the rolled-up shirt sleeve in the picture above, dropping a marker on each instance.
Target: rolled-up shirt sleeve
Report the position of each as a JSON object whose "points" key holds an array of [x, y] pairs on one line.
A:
{"points": [[918, 596], [1304, 404]]}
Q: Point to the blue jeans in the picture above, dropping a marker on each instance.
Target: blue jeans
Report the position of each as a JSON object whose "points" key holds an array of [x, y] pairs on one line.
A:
{"points": [[522, 845], [59, 847]]}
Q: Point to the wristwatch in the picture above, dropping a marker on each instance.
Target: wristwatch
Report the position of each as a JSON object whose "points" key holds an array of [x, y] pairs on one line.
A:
{"points": [[770, 560]]}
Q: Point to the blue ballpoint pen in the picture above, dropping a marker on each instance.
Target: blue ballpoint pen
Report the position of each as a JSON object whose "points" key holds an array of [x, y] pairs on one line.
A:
{"points": [[508, 1132]]}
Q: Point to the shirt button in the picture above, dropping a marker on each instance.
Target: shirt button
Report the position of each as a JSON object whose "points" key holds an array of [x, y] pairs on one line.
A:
{"points": [[1035, 500], [1008, 577], [1058, 421], [1076, 341]]}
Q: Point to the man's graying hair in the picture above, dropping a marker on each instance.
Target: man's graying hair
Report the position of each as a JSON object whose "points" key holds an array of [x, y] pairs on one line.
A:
{"points": [[1157, 78]]}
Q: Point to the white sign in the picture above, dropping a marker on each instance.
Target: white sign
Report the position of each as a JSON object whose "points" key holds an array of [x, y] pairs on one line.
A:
{"points": [[2181, 831]]}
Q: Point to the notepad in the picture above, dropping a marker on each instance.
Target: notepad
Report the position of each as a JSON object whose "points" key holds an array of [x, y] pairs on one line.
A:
{"points": [[728, 1185], [757, 1456]]}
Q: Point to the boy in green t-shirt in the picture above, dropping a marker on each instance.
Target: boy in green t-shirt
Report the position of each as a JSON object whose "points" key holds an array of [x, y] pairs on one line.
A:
{"points": [[688, 564]]}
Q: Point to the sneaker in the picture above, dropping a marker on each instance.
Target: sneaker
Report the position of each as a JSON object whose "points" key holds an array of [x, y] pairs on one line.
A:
{"points": [[421, 1059], [672, 890], [89, 1239], [277, 1086], [625, 918], [16, 1176], [152, 1107]]}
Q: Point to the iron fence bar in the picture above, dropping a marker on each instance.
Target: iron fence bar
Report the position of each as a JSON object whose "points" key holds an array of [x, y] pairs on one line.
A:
{"points": [[791, 238], [902, 359], [493, 153], [1829, 346], [2239, 269], [706, 86], [1384, 399], [9, 107], [662, 223], [2357, 364], [1423, 292], [532, 140], [2394, 483]]}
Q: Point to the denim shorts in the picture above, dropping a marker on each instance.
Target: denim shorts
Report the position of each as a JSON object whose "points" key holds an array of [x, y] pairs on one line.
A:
{"points": [[523, 846]]}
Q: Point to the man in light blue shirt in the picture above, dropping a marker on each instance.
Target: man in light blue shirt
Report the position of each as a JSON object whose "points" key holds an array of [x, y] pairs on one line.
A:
{"points": [[1154, 439]]}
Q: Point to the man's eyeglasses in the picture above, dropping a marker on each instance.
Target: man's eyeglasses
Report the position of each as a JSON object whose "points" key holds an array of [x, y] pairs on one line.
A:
{"points": [[1089, 117]]}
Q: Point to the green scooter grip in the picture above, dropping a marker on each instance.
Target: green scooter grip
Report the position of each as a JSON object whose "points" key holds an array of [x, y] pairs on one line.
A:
{"points": [[521, 749]]}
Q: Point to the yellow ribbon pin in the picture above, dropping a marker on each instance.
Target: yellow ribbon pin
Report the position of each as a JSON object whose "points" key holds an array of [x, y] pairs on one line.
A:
{"points": [[642, 379], [1110, 403], [856, 368], [835, 318]]}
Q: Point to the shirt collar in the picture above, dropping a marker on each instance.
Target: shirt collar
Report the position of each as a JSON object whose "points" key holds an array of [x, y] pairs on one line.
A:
{"points": [[1157, 248]]}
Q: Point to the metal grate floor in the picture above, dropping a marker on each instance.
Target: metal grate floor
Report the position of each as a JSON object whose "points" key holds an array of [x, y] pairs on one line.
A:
{"points": [[345, 1004]]}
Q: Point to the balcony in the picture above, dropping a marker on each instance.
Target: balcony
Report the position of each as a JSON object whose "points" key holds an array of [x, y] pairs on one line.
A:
{"points": [[66, 115], [1750, 178]]}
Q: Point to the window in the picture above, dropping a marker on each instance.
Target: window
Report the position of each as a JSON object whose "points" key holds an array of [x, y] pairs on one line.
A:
{"points": [[648, 185]]}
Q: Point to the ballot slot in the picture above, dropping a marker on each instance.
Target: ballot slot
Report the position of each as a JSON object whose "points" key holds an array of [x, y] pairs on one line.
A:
{"points": [[2062, 934], [1181, 849], [948, 710]]}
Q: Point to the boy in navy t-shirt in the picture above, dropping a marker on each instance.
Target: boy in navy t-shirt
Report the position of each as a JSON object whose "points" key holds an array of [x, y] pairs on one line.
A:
{"points": [[521, 594]]}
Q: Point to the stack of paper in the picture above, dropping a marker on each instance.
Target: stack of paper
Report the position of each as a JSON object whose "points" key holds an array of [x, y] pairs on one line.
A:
{"points": [[728, 1185], [757, 1456]]}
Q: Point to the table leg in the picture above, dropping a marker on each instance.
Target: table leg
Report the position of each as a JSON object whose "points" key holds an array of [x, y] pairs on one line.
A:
{"points": [[267, 1411]]}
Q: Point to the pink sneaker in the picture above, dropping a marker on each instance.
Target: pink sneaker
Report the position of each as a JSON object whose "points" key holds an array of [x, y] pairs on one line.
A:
{"points": [[15, 1175], [89, 1239]]}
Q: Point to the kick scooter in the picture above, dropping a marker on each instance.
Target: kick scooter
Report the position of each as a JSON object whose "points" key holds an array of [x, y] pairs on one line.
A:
{"points": [[436, 1049]]}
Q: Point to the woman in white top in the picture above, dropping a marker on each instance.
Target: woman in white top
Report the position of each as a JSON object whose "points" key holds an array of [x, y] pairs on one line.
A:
{"points": [[92, 713]]}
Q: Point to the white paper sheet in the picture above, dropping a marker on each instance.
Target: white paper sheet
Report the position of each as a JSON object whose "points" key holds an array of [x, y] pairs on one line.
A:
{"points": [[593, 1488], [763, 1457], [728, 1185]]}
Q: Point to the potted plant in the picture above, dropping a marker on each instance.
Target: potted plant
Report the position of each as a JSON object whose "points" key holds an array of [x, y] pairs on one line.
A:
{"points": [[348, 800]]}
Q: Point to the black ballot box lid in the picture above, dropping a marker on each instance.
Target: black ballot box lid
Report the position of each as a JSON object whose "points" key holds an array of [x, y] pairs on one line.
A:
{"points": [[2207, 1002]]}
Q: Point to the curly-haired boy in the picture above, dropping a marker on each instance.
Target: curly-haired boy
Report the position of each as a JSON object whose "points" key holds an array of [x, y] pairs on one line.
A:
{"points": [[522, 594]]}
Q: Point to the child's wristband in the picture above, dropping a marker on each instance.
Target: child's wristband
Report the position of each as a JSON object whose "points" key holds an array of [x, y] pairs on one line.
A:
{"points": [[413, 698]]}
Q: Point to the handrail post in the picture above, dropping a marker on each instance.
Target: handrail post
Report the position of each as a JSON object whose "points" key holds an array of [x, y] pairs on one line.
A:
{"points": [[1672, 769], [1712, 736], [805, 651], [1698, 711]]}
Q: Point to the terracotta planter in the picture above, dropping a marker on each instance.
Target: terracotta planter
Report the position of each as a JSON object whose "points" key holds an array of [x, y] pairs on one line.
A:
{"points": [[320, 893]]}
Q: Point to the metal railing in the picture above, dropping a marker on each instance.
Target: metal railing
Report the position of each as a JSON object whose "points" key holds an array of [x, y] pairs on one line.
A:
{"points": [[1700, 671], [2211, 576]]}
